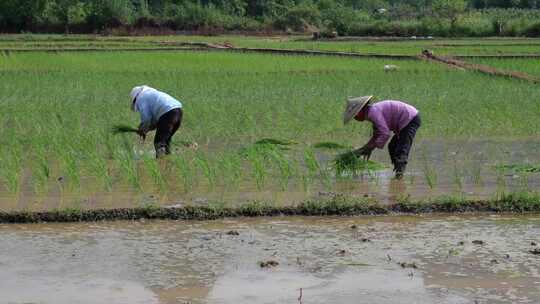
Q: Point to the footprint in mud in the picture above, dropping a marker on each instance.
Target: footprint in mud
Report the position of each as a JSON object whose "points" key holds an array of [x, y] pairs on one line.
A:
{"points": [[408, 265], [268, 264], [478, 242], [535, 251], [233, 232]]}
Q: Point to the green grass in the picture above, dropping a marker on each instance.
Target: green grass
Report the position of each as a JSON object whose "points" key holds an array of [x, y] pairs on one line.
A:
{"points": [[58, 111]]}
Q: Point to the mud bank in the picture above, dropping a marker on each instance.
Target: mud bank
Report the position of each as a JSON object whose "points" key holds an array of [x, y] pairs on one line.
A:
{"points": [[514, 203]]}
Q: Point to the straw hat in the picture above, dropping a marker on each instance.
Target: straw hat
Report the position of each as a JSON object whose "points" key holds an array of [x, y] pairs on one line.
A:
{"points": [[354, 106]]}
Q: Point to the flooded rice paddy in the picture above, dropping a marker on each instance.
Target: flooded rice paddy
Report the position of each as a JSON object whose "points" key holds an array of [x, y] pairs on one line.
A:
{"points": [[427, 259], [468, 169]]}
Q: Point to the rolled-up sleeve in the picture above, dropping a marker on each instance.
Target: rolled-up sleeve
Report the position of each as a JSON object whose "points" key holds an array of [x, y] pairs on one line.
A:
{"points": [[381, 132]]}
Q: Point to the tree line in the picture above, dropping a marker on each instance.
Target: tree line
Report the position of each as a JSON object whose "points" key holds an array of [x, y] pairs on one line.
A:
{"points": [[341, 17]]}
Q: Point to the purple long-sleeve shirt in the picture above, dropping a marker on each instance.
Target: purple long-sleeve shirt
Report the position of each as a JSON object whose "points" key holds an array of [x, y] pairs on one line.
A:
{"points": [[388, 116]]}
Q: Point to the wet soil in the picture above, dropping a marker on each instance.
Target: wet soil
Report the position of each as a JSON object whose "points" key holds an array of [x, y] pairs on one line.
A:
{"points": [[426, 259]]}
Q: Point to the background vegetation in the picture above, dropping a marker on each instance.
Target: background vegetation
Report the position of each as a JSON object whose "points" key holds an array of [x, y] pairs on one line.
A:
{"points": [[345, 17]]}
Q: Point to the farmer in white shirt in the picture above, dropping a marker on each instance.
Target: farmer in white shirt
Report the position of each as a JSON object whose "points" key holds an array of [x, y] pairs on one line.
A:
{"points": [[159, 112]]}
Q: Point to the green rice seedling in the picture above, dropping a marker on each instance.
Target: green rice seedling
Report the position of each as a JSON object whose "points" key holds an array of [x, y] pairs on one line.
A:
{"points": [[524, 182], [315, 168], [231, 166], [11, 166], [329, 145], [186, 171], [100, 169], [458, 177], [71, 169], [519, 168], [312, 165], [152, 166], [273, 141], [430, 173], [264, 147], [284, 166], [128, 167], [41, 171], [501, 184], [256, 156], [119, 129], [476, 168], [207, 169], [310, 160], [348, 163], [110, 145]]}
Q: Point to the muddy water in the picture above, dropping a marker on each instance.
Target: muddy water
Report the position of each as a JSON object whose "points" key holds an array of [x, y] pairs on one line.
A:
{"points": [[321, 260], [464, 168]]}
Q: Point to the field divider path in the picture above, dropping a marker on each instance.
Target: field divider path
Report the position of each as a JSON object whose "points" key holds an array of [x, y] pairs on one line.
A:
{"points": [[337, 206], [283, 51], [453, 62], [205, 46], [280, 51]]}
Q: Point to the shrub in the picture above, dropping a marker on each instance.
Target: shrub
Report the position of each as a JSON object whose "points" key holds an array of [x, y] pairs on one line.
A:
{"points": [[474, 25], [110, 13], [533, 30], [300, 18], [343, 20]]}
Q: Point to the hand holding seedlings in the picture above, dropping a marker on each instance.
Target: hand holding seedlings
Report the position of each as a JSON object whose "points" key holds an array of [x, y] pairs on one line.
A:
{"points": [[364, 152], [387, 116], [142, 134], [127, 129]]}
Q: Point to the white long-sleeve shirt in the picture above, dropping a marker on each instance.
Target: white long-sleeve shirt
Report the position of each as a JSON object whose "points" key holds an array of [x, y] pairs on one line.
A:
{"points": [[152, 104]]}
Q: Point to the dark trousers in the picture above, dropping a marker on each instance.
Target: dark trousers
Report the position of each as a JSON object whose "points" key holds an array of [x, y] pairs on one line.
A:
{"points": [[401, 144], [167, 125]]}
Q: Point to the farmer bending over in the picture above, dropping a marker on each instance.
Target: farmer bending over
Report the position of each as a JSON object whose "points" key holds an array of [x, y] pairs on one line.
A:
{"points": [[386, 116], [159, 112]]}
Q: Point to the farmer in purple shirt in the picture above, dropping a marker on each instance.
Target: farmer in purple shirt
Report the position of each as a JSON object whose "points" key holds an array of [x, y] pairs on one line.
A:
{"points": [[387, 116]]}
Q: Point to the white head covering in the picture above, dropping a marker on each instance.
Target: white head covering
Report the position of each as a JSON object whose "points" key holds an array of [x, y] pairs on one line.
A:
{"points": [[134, 93]]}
